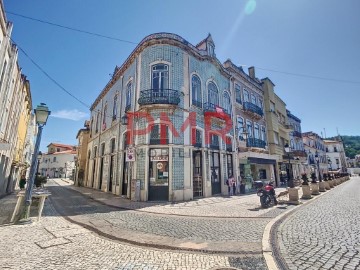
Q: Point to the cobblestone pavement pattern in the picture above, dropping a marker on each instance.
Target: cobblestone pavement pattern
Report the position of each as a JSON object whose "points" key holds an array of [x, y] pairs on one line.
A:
{"points": [[326, 233], [56, 243]]}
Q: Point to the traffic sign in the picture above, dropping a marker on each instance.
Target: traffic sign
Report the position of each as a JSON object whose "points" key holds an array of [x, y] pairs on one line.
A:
{"points": [[130, 154]]}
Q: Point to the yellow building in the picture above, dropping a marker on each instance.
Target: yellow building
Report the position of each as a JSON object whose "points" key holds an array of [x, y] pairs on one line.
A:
{"points": [[278, 127], [81, 162], [25, 108]]}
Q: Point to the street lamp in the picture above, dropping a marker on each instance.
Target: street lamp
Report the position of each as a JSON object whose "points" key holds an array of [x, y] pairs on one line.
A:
{"points": [[288, 150], [41, 115], [245, 135], [318, 165]]}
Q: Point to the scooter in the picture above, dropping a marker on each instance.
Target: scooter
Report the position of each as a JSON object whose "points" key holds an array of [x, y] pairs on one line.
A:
{"points": [[266, 193]]}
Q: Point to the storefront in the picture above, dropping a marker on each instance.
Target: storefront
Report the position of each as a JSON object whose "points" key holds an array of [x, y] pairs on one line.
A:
{"points": [[159, 174], [256, 169]]}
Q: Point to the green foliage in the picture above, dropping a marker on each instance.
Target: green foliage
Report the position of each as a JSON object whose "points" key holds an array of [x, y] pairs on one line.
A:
{"points": [[39, 180], [351, 145]]}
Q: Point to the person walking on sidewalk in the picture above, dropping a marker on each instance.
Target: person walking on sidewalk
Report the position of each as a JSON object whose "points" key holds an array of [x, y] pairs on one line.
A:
{"points": [[22, 182], [233, 184]]}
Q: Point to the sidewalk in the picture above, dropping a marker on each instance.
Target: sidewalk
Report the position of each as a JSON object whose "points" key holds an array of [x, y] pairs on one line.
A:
{"points": [[239, 206]]}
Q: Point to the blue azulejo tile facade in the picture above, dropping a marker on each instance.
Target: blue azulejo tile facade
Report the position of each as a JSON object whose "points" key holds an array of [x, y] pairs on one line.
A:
{"points": [[155, 108]]}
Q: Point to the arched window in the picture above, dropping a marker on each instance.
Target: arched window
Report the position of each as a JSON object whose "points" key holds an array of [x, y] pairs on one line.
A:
{"points": [[97, 122], [227, 103], [128, 97], [160, 77], [196, 91], [240, 127], [115, 107], [104, 117], [213, 94]]}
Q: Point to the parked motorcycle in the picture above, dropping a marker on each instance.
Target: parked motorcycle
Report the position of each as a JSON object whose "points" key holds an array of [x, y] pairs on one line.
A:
{"points": [[266, 193]]}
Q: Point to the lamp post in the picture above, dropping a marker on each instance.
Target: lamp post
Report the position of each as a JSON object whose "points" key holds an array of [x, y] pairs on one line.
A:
{"points": [[245, 135], [41, 115], [288, 150]]}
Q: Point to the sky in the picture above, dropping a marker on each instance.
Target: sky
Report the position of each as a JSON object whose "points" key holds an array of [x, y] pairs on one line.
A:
{"points": [[309, 49]]}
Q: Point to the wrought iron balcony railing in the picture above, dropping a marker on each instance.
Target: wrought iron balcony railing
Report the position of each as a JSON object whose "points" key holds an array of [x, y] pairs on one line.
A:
{"points": [[253, 142], [210, 107], [299, 153], [159, 96], [248, 106]]}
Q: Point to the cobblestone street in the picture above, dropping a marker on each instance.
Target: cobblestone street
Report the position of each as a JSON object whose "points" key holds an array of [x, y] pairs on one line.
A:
{"points": [[87, 229], [324, 234]]}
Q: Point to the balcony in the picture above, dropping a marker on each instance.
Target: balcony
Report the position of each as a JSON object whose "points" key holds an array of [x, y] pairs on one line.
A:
{"points": [[210, 107], [299, 153], [254, 110], [253, 142], [297, 134], [159, 96]]}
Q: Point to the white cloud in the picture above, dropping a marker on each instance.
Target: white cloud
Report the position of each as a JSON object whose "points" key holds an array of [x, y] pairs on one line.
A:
{"points": [[74, 115]]}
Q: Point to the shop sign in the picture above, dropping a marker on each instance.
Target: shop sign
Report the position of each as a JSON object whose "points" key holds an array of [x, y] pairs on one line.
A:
{"points": [[159, 158], [159, 165]]}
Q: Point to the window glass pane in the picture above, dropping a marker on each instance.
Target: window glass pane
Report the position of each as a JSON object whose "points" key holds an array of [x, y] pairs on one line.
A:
{"points": [[213, 94], [256, 131], [240, 126], [238, 93], [246, 96], [253, 99], [249, 128]]}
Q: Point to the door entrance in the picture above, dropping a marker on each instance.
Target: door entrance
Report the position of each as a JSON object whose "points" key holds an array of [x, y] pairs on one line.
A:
{"points": [[215, 173], [125, 177], [159, 175], [197, 174]]}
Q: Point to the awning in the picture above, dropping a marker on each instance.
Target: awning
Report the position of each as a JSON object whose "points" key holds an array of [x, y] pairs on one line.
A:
{"points": [[261, 160]]}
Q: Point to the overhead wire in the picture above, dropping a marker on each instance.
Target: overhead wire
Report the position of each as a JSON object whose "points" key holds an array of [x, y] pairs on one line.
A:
{"points": [[130, 42]]}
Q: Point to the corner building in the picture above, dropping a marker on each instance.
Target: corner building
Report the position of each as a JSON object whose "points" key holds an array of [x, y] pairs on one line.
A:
{"points": [[164, 83]]}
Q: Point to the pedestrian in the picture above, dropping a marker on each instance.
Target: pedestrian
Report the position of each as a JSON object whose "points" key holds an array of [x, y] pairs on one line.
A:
{"points": [[22, 182], [230, 183], [233, 185]]}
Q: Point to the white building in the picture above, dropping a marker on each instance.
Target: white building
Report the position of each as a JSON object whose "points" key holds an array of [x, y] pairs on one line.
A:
{"points": [[335, 155], [59, 162]]}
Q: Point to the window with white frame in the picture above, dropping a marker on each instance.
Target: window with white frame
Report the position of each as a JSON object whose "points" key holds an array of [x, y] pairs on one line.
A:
{"points": [[249, 127], [276, 137], [260, 103], [104, 117], [240, 126], [160, 77], [128, 96], [263, 133], [246, 95], [115, 107], [256, 131], [253, 99], [196, 91], [237, 93], [213, 93], [227, 103]]}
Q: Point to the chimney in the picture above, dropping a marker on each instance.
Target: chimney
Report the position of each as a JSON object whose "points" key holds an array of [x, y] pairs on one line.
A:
{"points": [[252, 72]]}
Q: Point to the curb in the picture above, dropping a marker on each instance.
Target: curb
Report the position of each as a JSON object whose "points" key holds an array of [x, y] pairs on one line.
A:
{"points": [[269, 233]]}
